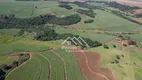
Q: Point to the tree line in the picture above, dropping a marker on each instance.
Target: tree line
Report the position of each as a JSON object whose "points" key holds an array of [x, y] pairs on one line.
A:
{"points": [[123, 16], [119, 6], [68, 7], [89, 12], [48, 34], [10, 21], [138, 15]]}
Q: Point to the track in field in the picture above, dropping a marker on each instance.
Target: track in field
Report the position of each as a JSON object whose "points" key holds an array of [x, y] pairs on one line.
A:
{"points": [[49, 65], [90, 66], [61, 65]]}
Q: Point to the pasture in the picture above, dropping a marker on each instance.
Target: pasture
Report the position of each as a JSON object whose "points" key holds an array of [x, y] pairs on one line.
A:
{"points": [[14, 7], [24, 9], [9, 31], [125, 69], [10, 45], [93, 36], [109, 22], [137, 37], [6, 60]]}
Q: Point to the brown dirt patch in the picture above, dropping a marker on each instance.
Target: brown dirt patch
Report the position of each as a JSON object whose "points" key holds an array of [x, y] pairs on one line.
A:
{"points": [[90, 66]]}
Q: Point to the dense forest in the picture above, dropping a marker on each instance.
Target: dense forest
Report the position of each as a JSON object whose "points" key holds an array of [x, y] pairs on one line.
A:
{"points": [[10, 21], [119, 6], [138, 15], [68, 7], [86, 5], [89, 12]]}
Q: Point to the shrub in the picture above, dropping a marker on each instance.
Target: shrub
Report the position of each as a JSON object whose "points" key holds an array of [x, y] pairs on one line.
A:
{"points": [[118, 57], [89, 21], [116, 61], [114, 46], [106, 46]]}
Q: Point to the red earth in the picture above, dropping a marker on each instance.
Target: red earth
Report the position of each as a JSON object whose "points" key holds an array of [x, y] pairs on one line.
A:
{"points": [[90, 65]]}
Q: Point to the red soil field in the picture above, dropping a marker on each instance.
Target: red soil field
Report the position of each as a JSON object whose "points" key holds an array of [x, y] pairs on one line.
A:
{"points": [[140, 49], [100, 27], [90, 66]]}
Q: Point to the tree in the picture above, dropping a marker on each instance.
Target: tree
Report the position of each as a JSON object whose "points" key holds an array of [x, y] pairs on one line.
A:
{"points": [[106, 46], [14, 64], [132, 42], [5, 67], [2, 74], [114, 46], [118, 57]]}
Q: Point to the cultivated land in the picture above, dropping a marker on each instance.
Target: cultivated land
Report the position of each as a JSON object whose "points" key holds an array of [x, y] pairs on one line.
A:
{"points": [[50, 65], [113, 60]]}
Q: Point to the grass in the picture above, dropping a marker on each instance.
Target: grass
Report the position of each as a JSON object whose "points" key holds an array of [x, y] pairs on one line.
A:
{"points": [[4, 38], [19, 47], [13, 6], [93, 36], [38, 67], [23, 9], [138, 72], [121, 70], [109, 21], [137, 37], [10, 45], [6, 60], [9, 31]]}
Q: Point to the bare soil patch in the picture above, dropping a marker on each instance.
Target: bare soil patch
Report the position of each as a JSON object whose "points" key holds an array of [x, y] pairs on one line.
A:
{"points": [[90, 66]]}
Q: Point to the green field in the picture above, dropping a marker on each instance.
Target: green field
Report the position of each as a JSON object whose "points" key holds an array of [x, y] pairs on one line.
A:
{"points": [[60, 65], [9, 31], [6, 60], [137, 37], [109, 21], [138, 72], [125, 69], [9, 45], [93, 36], [53, 63]]}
